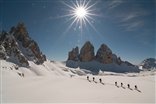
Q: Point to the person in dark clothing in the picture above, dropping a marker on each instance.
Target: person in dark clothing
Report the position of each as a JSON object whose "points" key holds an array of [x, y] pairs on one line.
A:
{"points": [[100, 80], [93, 78], [128, 85], [115, 83], [87, 77], [121, 84], [136, 87]]}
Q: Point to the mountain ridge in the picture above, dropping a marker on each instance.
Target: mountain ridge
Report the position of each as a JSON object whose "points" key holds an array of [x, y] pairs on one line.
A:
{"points": [[104, 59], [19, 48], [148, 63]]}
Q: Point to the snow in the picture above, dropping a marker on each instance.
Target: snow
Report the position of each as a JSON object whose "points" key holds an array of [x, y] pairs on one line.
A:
{"points": [[52, 83]]}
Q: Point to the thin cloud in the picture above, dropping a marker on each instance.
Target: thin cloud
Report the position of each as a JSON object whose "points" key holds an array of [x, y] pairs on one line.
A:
{"points": [[131, 26], [114, 3], [133, 20], [133, 15], [128, 16]]}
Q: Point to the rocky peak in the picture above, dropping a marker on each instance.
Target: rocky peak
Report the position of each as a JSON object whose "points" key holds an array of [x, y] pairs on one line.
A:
{"points": [[103, 59], [87, 52], [19, 45], [21, 34], [74, 54], [12, 50], [104, 55], [148, 63]]}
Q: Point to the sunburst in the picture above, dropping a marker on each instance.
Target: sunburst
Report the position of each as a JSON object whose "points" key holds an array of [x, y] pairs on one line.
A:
{"points": [[81, 13]]}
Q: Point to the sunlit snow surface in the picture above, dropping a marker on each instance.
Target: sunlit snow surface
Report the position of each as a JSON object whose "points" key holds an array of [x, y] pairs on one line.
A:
{"points": [[52, 83]]}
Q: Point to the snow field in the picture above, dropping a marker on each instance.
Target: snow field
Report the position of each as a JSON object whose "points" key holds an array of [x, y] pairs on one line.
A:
{"points": [[52, 83]]}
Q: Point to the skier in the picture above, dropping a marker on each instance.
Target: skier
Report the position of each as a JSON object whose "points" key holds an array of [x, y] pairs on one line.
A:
{"points": [[87, 77], [136, 87], [100, 80], [93, 78], [121, 84], [115, 83], [128, 85]]}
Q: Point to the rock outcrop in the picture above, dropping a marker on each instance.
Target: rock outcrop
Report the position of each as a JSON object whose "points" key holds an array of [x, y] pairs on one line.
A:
{"points": [[20, 48], [104, 55], [87, 52], [12, 50], [104, 60], [74, 54], [149, 63]]}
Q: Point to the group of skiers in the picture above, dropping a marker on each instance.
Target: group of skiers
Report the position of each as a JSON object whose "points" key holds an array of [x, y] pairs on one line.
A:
{"points": [[100, 80], [128, 85]]}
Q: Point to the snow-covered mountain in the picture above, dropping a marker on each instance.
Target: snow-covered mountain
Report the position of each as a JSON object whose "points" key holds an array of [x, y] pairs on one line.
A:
{"points": [[148, 64], [21, 55], [104, 60], [16, 46]]}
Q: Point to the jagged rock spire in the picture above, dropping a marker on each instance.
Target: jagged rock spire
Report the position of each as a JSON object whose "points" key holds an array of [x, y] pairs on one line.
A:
{"points": [[87, 52], [74, 54], [104, 54]]}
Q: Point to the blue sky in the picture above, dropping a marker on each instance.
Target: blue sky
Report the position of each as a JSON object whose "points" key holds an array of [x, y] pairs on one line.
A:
{"points": [[126, 26]]}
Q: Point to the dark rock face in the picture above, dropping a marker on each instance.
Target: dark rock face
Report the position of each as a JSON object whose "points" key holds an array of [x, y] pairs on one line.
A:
{"points": [[36, 52], [21, 34], [149, 63], [87, 52], [104, 55], [12, 49], [20, 46], [74, 54]]}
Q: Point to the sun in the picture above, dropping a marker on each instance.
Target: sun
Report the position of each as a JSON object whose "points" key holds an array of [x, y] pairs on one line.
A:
{"points": [[80, 12]]}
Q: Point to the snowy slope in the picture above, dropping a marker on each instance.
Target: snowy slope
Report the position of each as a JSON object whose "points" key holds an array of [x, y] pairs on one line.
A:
{"points": [[48, 68], [55, 85], [76, 90]]}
